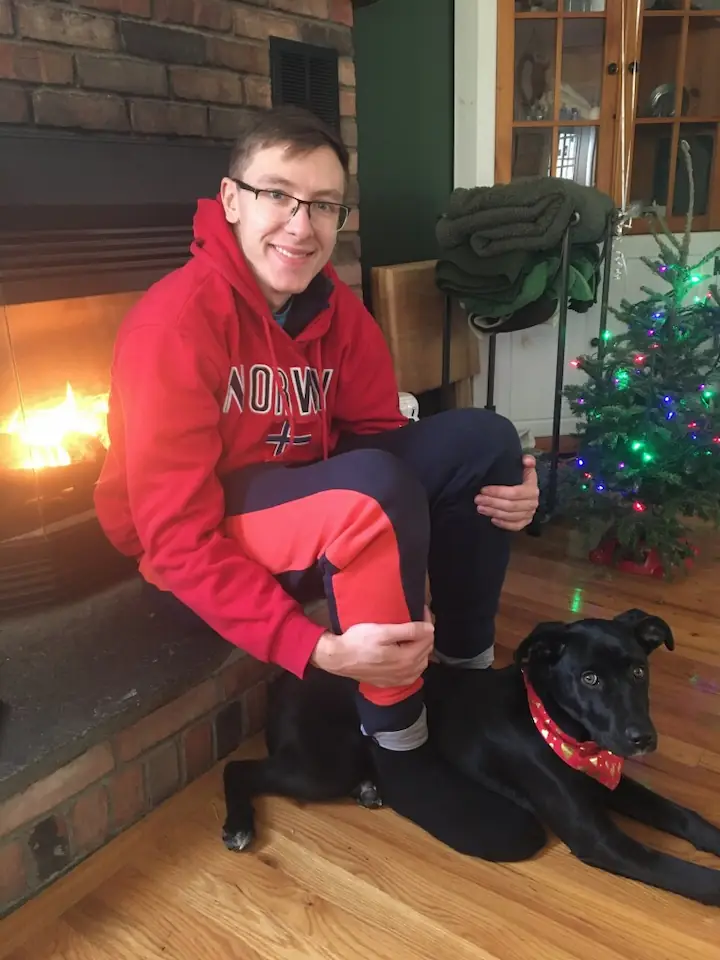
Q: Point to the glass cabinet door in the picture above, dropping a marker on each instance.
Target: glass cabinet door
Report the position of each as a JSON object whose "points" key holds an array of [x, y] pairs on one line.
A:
{"points": [[678, 98], [555, 98]]}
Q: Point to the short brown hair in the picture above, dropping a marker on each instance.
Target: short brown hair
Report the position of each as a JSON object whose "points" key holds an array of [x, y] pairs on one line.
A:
{"points": [[300, 129]]}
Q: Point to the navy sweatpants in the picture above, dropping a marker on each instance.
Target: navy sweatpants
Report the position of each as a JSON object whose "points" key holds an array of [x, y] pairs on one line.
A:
{"points": [[365, 526]]}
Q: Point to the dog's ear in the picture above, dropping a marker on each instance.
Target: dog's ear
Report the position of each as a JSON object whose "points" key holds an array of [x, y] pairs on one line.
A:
{"points": [[651, 632], [544, 645]]}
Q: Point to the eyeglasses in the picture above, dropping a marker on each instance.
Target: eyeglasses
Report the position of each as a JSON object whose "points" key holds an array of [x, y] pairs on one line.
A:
{"points": [[282, 205]]}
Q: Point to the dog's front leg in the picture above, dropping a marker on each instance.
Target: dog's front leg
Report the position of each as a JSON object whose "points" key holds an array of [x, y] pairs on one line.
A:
{"points": [[632, 799], [594, 838]]}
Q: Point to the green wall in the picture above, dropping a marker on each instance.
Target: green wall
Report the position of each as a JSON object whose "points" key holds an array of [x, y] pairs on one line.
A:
{"points": [[404, 67]]}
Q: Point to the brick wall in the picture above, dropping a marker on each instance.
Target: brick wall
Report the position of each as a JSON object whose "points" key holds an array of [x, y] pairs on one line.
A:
{"points": [[59, 820], [188, 68]]}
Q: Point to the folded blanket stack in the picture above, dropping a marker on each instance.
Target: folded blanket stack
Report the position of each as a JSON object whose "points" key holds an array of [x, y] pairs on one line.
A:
{"points": [[500, 250]]}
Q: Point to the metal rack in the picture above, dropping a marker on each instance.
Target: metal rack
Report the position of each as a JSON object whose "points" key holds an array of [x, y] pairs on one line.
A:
{"points": [[551, 499]]}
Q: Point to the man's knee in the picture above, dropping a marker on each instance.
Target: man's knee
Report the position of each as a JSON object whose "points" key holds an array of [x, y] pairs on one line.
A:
{"points": [[474, 428]]}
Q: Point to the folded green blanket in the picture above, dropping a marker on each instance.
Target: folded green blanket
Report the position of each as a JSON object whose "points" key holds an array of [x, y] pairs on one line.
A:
{"points": [[526, 215], [498, 288]]}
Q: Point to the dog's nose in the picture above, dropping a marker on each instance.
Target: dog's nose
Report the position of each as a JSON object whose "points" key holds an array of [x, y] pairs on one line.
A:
{"points": [[640, 739]]}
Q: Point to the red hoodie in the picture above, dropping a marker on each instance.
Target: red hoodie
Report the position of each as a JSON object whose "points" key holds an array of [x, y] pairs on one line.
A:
{"points": [[205, 381]]}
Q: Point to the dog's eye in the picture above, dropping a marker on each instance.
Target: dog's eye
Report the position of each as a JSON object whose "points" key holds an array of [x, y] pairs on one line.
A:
{"points": [[590, 678], [639, 673]]}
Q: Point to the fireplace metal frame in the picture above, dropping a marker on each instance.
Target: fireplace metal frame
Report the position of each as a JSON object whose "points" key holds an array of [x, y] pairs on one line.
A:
{"points": [[86, 214]]}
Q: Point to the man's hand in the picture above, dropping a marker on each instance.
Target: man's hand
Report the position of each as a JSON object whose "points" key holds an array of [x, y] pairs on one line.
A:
{"points": [[386, 655], [512, 508]]}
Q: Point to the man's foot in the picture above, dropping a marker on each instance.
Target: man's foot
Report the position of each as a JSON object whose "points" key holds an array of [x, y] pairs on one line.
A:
{"points": [[419, 785]]}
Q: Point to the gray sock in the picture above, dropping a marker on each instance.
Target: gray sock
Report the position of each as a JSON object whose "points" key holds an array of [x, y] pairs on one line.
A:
{"points": [[410, 738], [480, 662]]}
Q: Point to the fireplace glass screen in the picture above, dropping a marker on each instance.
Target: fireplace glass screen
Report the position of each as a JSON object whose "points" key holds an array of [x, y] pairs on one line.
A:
{"points": [[54, 372]]}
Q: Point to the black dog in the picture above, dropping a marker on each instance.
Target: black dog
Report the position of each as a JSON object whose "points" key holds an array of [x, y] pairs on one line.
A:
{"points": [[588, 682]]}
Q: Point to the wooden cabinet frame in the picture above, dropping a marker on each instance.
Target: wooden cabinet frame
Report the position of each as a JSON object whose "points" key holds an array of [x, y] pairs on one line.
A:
{"points": [[622, 75]]}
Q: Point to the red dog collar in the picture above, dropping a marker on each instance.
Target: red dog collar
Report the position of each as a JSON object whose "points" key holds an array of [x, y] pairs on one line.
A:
{"points": [[585, 756]]}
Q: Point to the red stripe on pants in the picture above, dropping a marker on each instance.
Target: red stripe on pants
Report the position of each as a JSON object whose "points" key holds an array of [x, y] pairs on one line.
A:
{"points": [[352, 532]]}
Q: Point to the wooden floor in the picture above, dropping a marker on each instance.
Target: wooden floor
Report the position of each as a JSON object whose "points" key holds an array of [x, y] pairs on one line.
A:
{"points": [[335, 881]]}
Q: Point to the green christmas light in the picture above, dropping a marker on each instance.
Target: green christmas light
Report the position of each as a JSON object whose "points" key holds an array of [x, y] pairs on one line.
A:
{"points": [[622, 379], [647, 457], [606, 335], [637, 445]]}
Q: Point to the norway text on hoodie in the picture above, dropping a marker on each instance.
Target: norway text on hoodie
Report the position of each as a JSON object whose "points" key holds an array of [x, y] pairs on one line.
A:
{"points": [[204, 381]]}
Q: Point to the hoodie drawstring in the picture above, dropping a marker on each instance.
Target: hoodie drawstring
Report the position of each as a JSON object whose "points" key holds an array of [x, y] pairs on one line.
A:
{"points": [[287, 411], [323, 404]]}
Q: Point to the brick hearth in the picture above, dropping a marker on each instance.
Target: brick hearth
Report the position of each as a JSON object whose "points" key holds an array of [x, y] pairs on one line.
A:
{"points": [[56, 822]]}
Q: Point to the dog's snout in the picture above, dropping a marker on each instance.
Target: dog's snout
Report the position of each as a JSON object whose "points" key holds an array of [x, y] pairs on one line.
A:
{"points": [[641, 739]]}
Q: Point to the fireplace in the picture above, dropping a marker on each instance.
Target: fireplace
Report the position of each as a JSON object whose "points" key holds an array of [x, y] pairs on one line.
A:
{"points": [[86, 225], [54, 371]]}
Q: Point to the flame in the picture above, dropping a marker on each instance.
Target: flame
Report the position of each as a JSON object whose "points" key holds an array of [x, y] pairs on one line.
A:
{"points": [[60, 433]]}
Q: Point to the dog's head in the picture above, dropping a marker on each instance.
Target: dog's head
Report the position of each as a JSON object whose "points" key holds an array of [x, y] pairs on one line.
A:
{"points": [[597, 672]]}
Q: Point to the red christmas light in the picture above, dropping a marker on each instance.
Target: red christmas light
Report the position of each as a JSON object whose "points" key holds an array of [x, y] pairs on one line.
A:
{"points": [[639, 507]]}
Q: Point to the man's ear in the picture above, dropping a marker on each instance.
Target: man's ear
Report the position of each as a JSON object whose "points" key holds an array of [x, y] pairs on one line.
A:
{"points": [[650, 632], [229, 198], [545, 644]]}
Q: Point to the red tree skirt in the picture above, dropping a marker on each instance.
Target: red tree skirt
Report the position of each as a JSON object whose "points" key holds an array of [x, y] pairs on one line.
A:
{"points": [[651, 567]]}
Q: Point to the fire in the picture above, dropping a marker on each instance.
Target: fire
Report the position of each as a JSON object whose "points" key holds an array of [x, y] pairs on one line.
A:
{"points": [[60, 433]]}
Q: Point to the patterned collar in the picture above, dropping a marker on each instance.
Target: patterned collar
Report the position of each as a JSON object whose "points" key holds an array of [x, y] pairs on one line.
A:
{"points": [[585, 756]]}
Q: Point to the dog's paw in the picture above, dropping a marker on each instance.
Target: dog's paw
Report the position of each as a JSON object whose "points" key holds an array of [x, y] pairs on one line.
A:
{"points": [[237, 840], [367, 795]]}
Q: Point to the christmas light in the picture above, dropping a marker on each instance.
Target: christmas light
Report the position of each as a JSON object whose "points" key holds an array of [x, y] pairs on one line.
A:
{"points": [[647, 457], [621, 466], [692, 425], [639, 507], [606, 335], [575, 363], [637, 445], [667, 399], [651, 333], [716, 439], [580, 462], [639, 358], [670, 415]]}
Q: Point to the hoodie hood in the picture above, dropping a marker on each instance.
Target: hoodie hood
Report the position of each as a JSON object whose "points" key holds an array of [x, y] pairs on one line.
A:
{"points": [[215, 243]]}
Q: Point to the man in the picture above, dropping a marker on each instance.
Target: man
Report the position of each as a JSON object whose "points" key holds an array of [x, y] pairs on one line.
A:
{"points": [[258, 456]]}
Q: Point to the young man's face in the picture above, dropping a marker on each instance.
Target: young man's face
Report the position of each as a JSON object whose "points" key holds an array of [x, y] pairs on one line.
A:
{"points": [[285, 252]]}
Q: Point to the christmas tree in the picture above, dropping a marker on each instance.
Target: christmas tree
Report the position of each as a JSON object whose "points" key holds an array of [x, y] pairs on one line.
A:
{"points": [[649, 411]]}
